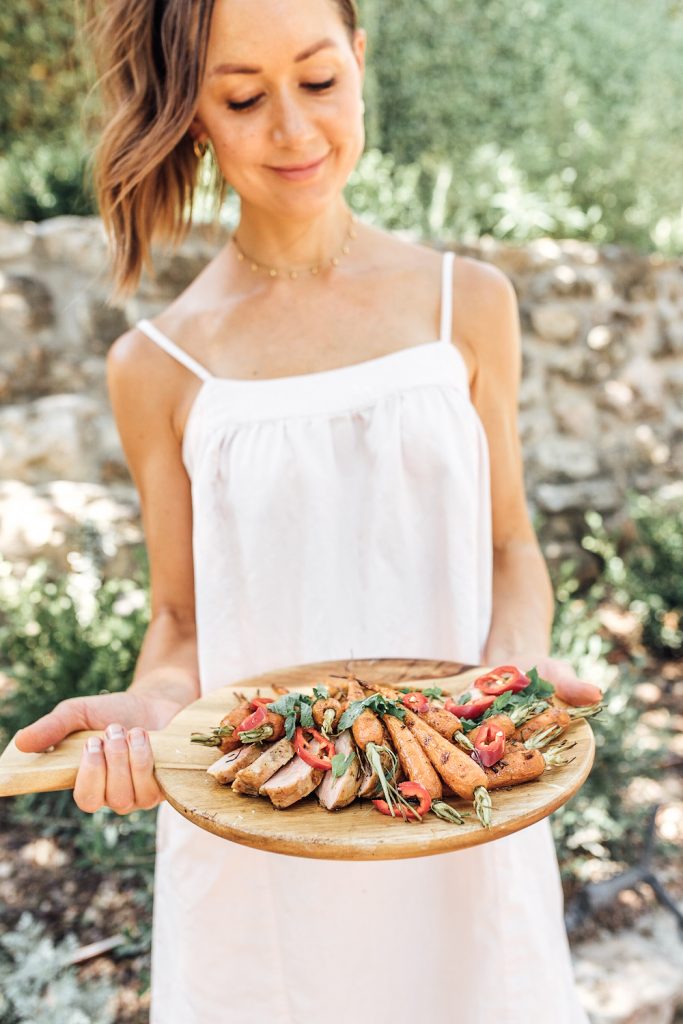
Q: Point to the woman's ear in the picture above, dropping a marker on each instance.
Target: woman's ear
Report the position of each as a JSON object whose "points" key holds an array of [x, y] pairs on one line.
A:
{"points": [[197, 131]]}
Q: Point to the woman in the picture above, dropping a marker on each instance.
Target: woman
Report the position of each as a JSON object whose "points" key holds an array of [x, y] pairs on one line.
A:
{"points": [[319, 479]]}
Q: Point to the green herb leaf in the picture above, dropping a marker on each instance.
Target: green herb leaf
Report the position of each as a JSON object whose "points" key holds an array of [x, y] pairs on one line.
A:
{"points": [[433, 691], [539, 687], [294, 707], [341, 763], [375, 702], [283, 705], [320, 692], [290, 725], [468, 724], [306, 716]]}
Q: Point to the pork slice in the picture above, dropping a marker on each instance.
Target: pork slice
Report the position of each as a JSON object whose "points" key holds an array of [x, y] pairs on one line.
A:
{"points": [[368, 783], [249, 780], [226, 768], [293, 782], [340, 792]]}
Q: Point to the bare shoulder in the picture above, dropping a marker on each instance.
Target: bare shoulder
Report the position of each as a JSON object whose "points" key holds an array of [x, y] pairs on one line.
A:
{"points": [[485, 317], [142, 379], [142, 391]]}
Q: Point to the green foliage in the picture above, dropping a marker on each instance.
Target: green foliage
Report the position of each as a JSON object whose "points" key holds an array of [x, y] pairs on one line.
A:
{"points": [[516, 120], [65, 637], [641, 571], [645, 571], [547, 115], [42, 91], [38, 984]]}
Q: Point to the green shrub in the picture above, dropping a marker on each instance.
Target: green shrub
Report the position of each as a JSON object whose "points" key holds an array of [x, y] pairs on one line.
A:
{"points": [[64, 637], [641, 570], [39, 985], [643, 566], [513, 120]]}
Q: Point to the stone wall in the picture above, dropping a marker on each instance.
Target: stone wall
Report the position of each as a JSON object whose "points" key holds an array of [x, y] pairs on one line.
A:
{"points": [[601, 406]]}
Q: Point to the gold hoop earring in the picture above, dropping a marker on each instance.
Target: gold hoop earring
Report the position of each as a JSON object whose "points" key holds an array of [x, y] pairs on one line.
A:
{"points": [[199, 148]]}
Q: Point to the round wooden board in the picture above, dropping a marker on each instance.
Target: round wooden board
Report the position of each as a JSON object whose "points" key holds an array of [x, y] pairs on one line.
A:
{"points": [[357, 832]]}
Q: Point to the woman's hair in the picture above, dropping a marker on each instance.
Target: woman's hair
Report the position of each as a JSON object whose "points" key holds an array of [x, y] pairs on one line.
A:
{"points": [[150, 56]]}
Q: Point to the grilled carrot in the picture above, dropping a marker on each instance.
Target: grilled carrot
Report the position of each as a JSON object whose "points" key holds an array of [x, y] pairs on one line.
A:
{"points": [[412, 758], [367, 728], [519, 765], [443, 721], [553, 716], [271, 729], [326, 713], [557, 716], [224, 736], [499, 721], [455, 767]]}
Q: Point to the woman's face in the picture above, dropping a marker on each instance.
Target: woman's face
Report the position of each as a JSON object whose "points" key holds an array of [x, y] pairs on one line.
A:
{"points": [[282, 90]]}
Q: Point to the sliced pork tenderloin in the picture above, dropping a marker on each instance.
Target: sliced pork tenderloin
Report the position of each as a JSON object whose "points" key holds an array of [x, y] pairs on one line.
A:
{"points": [[340, 792], [249, 780]]}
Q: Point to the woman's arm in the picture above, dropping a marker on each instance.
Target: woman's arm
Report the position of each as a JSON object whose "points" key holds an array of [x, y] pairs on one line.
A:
{"points": [[167, 663], [522, 604], [523, 601]]}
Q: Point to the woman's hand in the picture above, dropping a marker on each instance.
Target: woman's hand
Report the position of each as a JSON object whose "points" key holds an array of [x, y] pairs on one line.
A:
{"points": [[568, 686], [118, 772]]}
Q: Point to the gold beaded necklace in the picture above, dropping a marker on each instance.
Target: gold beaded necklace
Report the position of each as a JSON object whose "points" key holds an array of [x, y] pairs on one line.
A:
{"points": [[293, 274]]}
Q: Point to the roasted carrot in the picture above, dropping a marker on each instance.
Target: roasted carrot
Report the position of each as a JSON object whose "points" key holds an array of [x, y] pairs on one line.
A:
{"points": [[499, 721], [367, 728], [412, 757], [443, 721], [271, 729], [557, 716], [552, 716], [454, 766], [223, 737], [519, 765], [326, 713]]}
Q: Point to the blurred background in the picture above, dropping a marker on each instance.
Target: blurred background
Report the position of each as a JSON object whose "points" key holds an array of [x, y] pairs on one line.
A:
{"points": [[543, 136]]}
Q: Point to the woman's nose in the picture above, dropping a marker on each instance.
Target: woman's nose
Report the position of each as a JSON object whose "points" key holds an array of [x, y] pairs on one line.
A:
{"points": [[291, 123]]}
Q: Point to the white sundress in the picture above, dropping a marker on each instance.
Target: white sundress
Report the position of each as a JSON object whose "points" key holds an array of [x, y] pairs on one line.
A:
{"points": [[341, 514]]}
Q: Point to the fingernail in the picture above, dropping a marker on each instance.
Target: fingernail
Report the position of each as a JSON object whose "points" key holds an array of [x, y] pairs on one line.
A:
{"points": [[115, 732], [137, 738], [94, 745]]}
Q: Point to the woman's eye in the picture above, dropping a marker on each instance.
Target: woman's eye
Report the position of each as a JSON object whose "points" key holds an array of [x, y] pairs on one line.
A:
{"points": [[313, 86]]}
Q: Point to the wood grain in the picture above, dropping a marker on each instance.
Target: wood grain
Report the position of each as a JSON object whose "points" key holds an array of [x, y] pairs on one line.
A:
{"points": [[357, 832]]}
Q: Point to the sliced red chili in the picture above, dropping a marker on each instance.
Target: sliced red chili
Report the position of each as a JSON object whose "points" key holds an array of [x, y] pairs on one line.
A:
{"points": [[416, 789], [415, 701], [473, 709], [322, 756], [257, 701], [253, 721], [490, 744], [502, 679], [407, 789]]}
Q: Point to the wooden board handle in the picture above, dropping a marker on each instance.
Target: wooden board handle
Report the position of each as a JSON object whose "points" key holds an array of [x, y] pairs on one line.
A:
{"points": [[55, 769]]}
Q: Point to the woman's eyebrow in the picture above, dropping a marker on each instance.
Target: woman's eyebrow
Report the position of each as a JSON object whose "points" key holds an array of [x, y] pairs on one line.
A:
{"points": [[242, 69]]}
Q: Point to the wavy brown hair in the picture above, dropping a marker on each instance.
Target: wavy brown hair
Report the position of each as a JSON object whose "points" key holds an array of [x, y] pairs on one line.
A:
{"points": [[150, 56]]}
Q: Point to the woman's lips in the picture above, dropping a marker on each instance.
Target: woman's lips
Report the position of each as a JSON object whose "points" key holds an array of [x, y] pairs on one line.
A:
{"points": [[299, 172]]}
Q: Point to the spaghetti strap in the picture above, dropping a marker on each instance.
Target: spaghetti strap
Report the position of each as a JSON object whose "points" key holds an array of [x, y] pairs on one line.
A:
{"points": [[154, 334], [446, 296]]}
